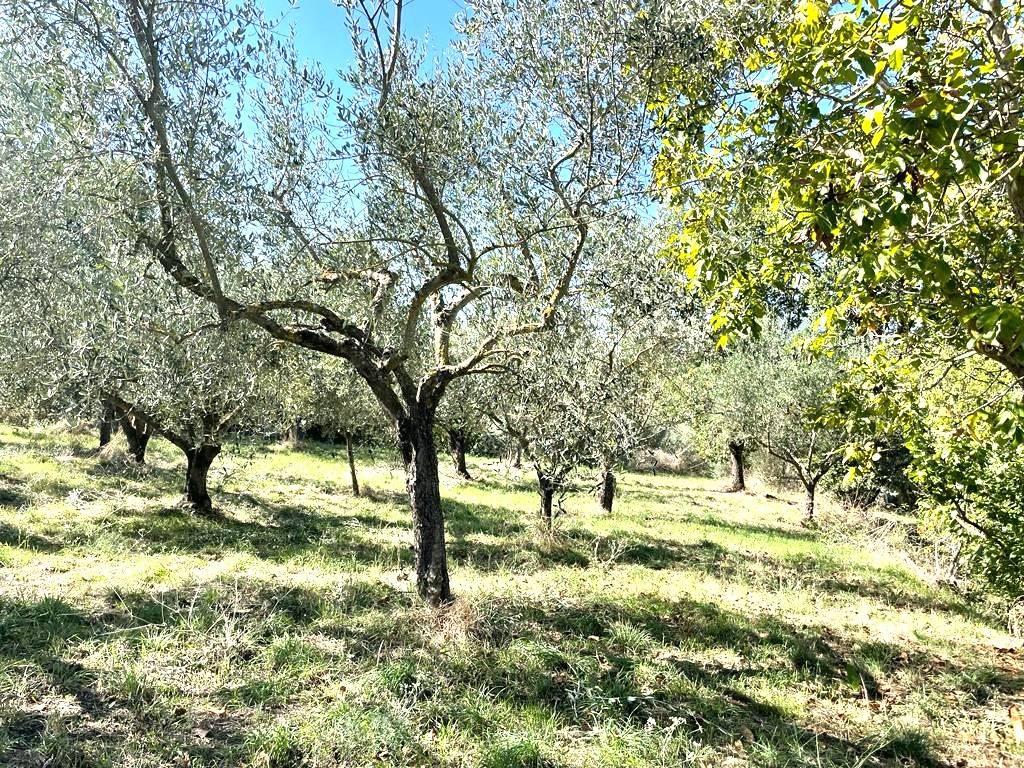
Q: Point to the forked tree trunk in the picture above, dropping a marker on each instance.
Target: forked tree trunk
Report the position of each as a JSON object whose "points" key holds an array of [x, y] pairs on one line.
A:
{"points": [[608, 484], [136, 432], [416, 440], [351, 463], [457, 448], [196, 493], [108, 423], [736, 460], [546, 489]]}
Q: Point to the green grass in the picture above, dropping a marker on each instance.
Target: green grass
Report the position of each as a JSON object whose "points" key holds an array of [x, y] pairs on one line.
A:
{"points": [[688, 628]]}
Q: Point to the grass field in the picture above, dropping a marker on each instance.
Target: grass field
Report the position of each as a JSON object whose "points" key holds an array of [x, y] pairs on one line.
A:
{"points": [[688, 628]]}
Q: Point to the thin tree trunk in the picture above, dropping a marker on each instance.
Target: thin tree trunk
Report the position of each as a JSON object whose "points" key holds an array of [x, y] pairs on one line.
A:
{"points": [[196, 493], [416, 440], [108, 423], [608, 484], [736, 460], [457, 448], [136, 432], [546, 489], [351, 463]]}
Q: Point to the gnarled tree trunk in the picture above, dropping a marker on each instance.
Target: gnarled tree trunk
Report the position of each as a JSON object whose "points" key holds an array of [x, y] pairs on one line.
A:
{"points": [[457, 448], [351, 463], [811, 491], [736, 460], [514, 457], [607, 494], [416, 440], [196, 493], [546, 489], [108, 423], [136, 432]]}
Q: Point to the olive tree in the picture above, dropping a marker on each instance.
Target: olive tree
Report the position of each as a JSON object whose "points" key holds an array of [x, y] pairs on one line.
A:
{"points": [[582, 397], [146, 351], [463, 417], [322, 392], [798, 429], [393, 209], [721, 397]]}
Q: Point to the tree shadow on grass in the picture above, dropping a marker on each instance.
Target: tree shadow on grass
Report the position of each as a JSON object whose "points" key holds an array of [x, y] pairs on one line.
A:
{"points": [[462, 518], [749, 529], [638, 662], [11, 493], [494, 481], [69, 712], [706, 694], [603, 664], [17, 537], [292, 531], [74, 714]]}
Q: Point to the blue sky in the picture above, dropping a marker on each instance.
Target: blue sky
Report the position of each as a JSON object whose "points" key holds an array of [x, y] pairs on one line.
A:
{"points": [[321, 34]]}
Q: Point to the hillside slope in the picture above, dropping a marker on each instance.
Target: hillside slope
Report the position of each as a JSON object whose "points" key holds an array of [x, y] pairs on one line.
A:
{"points": [[689, 627]]}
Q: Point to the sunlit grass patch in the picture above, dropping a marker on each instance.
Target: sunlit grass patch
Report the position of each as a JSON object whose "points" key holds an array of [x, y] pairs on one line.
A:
{"points": [[688, 627]]}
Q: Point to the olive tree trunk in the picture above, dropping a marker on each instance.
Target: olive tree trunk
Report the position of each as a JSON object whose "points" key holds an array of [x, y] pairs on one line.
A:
{"points": [[811, 489], [546, 490], [416, 440], [515, 456], [737, 457], [108, 423], [457, 448], [197, 495], [137, 433], [607, 494], [351, 463]]}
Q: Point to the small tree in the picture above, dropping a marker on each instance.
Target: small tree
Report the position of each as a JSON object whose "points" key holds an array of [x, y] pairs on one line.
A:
{"points": [[797, 429], [721, 397], [143, 351], [463, 418], [324, 393], [581, 397]]}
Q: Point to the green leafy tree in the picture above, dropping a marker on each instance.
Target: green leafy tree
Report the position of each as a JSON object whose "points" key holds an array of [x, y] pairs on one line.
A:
{"points": [[960, 426], [871, 154]]}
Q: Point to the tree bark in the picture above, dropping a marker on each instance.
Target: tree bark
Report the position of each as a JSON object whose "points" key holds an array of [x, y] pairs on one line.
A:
{"points": [[546, 489], [108, 423], [515, 456], [196, 493], [457, 448], [416, 440], [351, 463], [809, 499], [608, 484], [137, 433], [294, 434], [736, 460]]}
